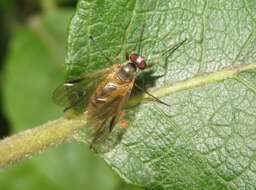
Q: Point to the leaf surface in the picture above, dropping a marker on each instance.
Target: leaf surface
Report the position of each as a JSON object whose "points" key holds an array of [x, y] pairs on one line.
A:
{"points": [[206, 139]]}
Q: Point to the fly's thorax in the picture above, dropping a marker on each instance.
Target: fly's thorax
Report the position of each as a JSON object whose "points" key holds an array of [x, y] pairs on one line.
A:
{"points": [[127, 72]]}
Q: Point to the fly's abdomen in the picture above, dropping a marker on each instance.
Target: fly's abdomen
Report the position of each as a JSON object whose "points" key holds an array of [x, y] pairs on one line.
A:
{"points": [[105, 92], [101, 97]]}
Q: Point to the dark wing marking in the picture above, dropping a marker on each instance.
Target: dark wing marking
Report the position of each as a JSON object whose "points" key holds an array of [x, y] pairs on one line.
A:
{"points": [[75, 93]]}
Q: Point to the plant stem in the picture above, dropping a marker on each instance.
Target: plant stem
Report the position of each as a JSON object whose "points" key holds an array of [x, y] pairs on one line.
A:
{"points": [[32, 141], [199, 80]]}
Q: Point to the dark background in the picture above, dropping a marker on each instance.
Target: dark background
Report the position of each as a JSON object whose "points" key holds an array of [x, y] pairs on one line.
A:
{"points": [[13, 14]]}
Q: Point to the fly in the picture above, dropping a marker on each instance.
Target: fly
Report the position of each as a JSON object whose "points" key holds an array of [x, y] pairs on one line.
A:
{"points": [[103, 95]]}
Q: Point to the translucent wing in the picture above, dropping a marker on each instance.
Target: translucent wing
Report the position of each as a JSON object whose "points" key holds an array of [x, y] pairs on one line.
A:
{"points": [[75, 93], [103, 118]]}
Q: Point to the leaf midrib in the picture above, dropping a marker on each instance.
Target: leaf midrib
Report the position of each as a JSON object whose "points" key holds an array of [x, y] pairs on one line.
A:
{"points": [[196, 81]]}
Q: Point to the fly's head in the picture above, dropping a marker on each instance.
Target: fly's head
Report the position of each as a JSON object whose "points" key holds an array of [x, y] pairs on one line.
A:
{"points": [[138, 61], [129, 70]]}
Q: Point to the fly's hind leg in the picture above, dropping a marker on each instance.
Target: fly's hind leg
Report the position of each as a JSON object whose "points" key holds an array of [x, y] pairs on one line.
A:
{"points": [[122, 114], [122, 122]]}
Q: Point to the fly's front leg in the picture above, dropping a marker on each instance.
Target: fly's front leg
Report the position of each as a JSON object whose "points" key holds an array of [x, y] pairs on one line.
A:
{"points": [[127, 58]]}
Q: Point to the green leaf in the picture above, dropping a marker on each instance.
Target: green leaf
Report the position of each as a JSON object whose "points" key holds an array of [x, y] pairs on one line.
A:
{"points": [[206, 139]]}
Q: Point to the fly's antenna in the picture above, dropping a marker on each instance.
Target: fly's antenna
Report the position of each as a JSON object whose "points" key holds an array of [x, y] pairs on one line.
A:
{"points": [[174, 48], [100, 49], [151, 95], [138, 44]]}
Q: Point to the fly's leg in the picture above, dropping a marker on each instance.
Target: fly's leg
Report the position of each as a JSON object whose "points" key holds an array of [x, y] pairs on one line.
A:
{"points": [[122, 114], [151, 95], [171, 50], [122, 122], [127, 58]]}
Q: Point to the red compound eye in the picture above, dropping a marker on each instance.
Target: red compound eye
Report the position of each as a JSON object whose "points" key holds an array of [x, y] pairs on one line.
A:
{"points": [[142, 65], [134, 57], [138, 60]]}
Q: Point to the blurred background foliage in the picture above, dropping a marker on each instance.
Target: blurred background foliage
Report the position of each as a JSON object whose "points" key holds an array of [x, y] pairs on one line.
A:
{"points": [[32, 50]]}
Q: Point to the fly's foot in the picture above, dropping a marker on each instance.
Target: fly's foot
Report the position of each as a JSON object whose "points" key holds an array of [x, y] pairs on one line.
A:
{"points": [[122, 114], [123, 124]]}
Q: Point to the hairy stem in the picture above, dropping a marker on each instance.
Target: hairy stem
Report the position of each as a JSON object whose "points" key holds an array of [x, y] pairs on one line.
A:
{"points": [[32, 141]]}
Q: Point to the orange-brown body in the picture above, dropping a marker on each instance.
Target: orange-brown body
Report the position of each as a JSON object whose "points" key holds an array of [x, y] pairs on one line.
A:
{"points": [[104, 108], [102, 94]]}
